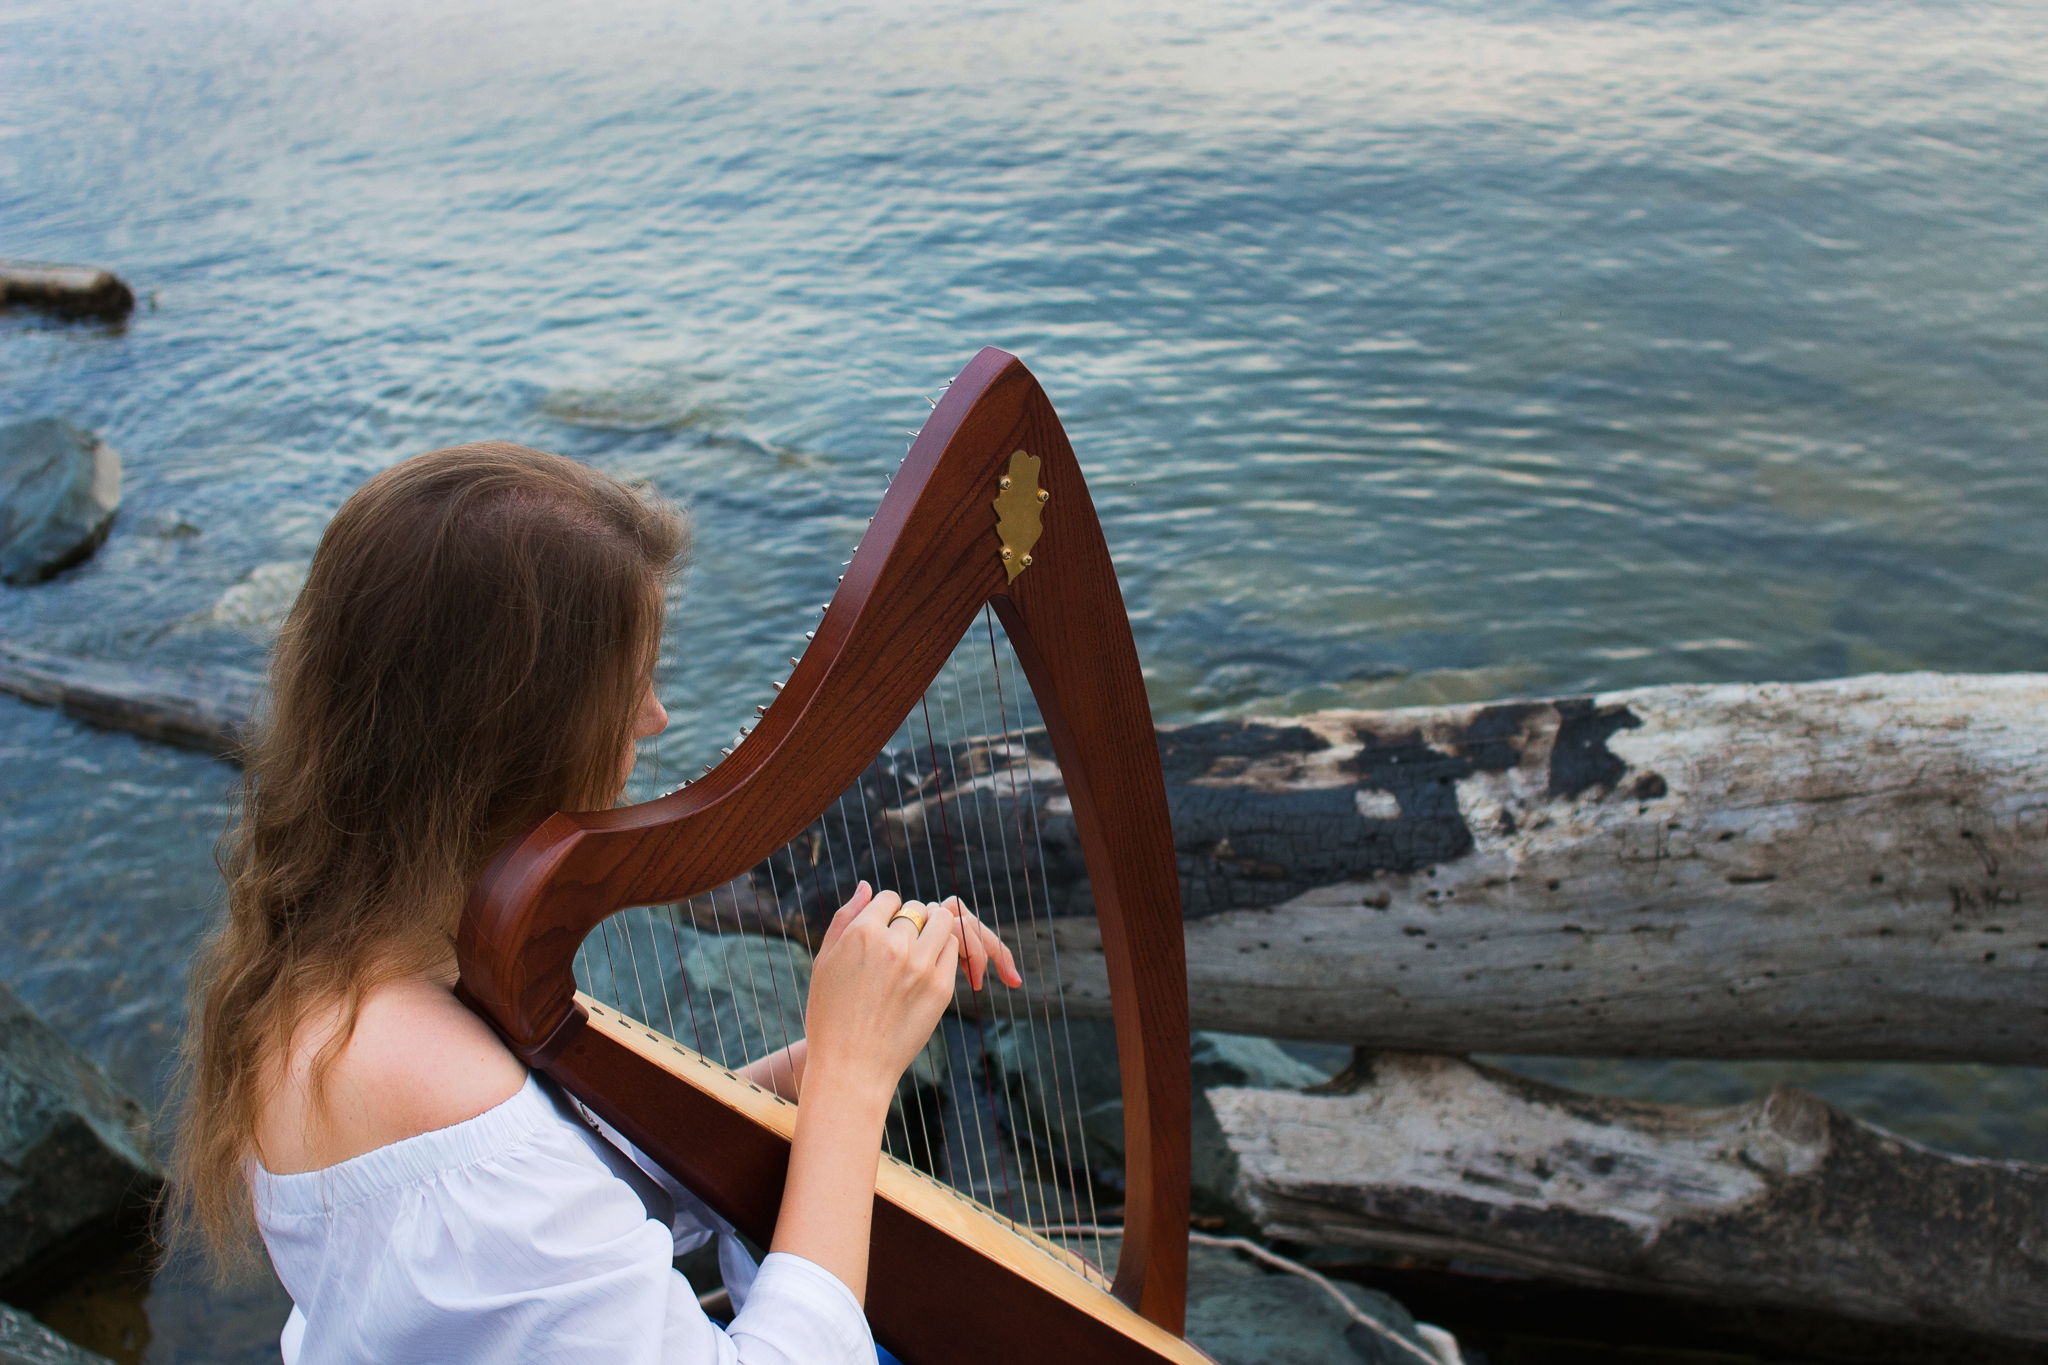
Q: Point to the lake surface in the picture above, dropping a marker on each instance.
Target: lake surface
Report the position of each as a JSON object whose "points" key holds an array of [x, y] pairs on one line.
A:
{"points": [[1416, 352]]}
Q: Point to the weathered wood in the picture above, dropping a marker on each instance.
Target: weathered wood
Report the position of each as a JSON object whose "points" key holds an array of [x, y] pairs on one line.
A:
{"points": [[1842, 869], [209, 713], [1782, 1201], [72, 291]]}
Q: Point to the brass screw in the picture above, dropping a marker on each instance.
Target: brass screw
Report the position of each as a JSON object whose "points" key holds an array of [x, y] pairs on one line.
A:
{"points": [[1044, 496], [1003, 482], [1007, 552], [1027, 561]]}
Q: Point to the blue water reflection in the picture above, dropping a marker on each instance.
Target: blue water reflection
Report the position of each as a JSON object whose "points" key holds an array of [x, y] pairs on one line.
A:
{"points": [[1417, 351]]}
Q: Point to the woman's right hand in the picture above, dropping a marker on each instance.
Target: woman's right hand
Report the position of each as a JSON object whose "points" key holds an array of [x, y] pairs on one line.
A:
{"points": [[878, 989]]}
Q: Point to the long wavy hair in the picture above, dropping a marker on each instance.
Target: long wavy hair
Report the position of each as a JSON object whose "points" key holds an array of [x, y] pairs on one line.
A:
{"points": [[467, 656]]}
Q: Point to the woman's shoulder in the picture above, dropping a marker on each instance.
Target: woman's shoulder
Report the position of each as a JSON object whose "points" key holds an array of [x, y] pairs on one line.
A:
{"points": [[417, 1060]]}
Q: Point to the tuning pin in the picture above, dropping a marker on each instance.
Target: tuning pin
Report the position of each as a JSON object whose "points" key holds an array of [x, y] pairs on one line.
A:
{"points": [[777, 686], [842, 578], [933, 401], [760, 710], [726, 752], [792, 660], [810, 635]]}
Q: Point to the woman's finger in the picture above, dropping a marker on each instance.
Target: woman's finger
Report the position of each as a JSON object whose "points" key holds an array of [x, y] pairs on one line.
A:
{"points": [[939, 939], [844, 915], [1006, 961], [916, 914], [973, 938], [880, 906]]}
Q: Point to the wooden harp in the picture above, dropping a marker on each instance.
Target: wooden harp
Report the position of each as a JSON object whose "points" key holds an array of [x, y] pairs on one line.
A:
{"points": [[987, 520]]}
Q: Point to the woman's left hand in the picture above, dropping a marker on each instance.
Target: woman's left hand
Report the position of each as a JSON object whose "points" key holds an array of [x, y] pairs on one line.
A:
{"points": [[979, 944]]}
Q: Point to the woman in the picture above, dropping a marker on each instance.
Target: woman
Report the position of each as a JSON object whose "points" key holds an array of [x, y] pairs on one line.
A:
{"points": [[472, 650]]}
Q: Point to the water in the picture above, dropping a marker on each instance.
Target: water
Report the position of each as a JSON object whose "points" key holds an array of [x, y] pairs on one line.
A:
{"points": [[1417, 352]]}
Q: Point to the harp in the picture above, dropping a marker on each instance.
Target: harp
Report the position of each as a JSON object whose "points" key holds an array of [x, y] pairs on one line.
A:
{"points": [[985, 548]]}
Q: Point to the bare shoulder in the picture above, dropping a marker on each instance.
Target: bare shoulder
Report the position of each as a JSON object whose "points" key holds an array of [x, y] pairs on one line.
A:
{"points": [[416, 1061]]}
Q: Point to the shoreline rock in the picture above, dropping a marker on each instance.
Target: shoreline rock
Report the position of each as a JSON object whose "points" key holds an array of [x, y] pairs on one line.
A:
{"points": [[24, 1341], [76, 1177], [60, 486]]}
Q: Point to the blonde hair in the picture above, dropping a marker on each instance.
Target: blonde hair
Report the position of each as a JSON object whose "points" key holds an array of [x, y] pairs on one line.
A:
{"points": [[466, 657]]}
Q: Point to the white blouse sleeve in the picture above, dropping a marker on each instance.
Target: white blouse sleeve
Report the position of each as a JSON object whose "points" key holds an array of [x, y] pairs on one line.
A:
{"points": [[536, 1251]]}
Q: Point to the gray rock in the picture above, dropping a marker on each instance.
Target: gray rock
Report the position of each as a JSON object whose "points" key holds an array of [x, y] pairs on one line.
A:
{"points": [[733, 997], [1243, 1313], [73, 1155], [59, 488], [24, 1341], [1242, 1060], [1079, 1073]]}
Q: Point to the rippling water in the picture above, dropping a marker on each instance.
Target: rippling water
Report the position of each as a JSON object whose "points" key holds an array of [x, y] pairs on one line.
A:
{"points": [[1416, 352]]}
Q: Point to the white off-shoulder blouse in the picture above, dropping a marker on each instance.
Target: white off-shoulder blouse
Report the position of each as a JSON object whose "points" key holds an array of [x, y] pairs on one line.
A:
{"points": [[529, 1233]]}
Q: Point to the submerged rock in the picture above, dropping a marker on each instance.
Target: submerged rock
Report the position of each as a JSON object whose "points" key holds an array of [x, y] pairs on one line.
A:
{"points": [[59, 488], [74, 1165], [259, 600], [24, 1341]]}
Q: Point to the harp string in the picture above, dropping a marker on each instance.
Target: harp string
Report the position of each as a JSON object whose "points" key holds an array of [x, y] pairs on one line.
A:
{"points": [[717, 1023], [980, 1027], [1028, 1096], [911, 1099], [1008, 1134], [989, 908], [929, 885], [1043, 1136], [1020, 753], [908, 883]]}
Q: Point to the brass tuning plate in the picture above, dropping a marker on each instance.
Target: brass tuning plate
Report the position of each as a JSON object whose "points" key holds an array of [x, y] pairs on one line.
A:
{"points": [[1019, 505]]}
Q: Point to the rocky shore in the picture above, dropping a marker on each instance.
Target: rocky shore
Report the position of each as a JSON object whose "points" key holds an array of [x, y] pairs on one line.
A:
{"points": [[76, 1175]]}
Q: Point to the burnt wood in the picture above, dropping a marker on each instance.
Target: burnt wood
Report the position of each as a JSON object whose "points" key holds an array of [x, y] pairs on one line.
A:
{"points": [[928, 564]]}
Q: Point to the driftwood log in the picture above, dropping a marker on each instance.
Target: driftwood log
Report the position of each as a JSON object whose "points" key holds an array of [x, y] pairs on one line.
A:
{"points": [[1781, 1201], [71, 291], [209, 713], [1843, 869], [1846, 869]]}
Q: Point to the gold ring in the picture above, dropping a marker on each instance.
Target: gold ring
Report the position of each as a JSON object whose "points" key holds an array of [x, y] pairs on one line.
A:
{"points": [[916, 918]]}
